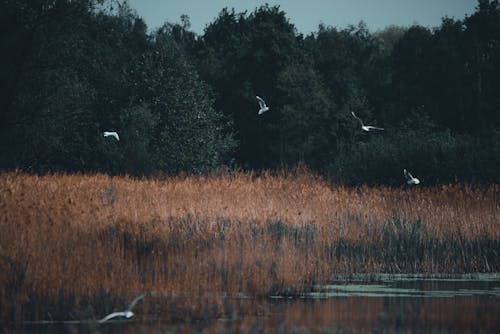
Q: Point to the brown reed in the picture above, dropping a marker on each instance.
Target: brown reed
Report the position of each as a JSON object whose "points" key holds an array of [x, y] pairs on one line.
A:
{"points": [[239, 233]]}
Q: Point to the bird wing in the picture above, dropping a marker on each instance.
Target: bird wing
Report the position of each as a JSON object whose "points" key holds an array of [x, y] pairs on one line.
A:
{"points": [[262, 103], [109, 133], [374, 127], [111, 316], [356, 117], [408, 175], [136, 300]]}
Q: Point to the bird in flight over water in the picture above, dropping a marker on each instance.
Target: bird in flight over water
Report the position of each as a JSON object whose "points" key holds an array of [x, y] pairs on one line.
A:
{"points": [[113, 134], [127, 313], [410, 179], [366, 127], [262, 105]]}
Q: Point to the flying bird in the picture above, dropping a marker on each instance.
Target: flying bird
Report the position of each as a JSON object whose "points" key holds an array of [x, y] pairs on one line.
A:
{"points": [[262, 105], [113, 134], [365, 127], [127, 313], [410, 179]]}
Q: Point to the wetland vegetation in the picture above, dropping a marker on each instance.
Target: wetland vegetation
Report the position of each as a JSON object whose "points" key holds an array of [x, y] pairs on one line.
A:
{"points": [[75, 246]]}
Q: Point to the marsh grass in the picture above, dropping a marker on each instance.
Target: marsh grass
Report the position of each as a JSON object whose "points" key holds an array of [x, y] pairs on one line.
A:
{"points": [[72, 248]]}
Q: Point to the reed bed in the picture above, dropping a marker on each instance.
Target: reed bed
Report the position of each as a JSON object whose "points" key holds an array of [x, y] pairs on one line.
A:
{"points": [[97, 240]]}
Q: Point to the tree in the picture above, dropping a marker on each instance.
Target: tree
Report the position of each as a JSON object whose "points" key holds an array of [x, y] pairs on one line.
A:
{"points": [[27, 29], [389, 36], [241, 56], [189, 134], [482, 48], [308, 130], [96, 72], [410, 60]]}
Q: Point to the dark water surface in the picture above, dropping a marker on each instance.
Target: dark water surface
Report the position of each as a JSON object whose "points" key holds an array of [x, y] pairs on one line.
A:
{"points": [[362, 304]]}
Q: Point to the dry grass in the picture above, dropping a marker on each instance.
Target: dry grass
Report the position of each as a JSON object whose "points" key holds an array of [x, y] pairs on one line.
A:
{"points": [[76, 235]]}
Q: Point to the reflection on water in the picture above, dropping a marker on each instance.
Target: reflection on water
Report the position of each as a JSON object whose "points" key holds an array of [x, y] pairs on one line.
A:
{"points": [[386, 304]]}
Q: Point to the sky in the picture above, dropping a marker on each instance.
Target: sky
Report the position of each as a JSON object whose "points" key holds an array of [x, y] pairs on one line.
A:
{"points": [[306, 15]]}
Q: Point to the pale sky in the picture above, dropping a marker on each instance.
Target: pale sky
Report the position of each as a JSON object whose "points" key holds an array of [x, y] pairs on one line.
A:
{"points": [[306, 15]]}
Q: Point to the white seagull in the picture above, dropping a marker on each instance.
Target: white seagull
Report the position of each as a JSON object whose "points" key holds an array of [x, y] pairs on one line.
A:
{"points": [[262, 105], [114, 134], [127, 313], [410, 179], [365, 127]]}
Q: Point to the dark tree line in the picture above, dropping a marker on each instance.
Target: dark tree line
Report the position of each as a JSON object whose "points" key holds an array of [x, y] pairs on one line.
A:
{"points": [[71, 69]]}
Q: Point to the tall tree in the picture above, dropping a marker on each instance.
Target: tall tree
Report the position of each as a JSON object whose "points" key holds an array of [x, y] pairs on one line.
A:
{"points": [[241, 55], [309, 127], [100, 71], [411, 73], [27, 29], [482, 47]]}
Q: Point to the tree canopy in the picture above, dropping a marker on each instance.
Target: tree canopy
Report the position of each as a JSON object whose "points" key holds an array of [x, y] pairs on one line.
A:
{"points": [[182, 102]]}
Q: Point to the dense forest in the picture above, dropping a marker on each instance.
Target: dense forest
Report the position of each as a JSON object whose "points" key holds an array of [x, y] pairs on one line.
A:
{"points": [[182, 102]]}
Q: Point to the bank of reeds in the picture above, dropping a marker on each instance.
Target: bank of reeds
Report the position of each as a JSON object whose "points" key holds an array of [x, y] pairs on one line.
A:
{"points": [[80, 241]]}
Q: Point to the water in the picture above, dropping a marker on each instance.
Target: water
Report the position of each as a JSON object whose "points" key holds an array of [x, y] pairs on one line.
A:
{"points": [[376, 304]]}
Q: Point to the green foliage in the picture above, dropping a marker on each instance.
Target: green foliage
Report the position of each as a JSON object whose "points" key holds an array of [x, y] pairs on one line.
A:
{"points": [[241, 56], [432, 156], [451, 73], [308, 121], [70, 70], [93, 72], [138, 125]]}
